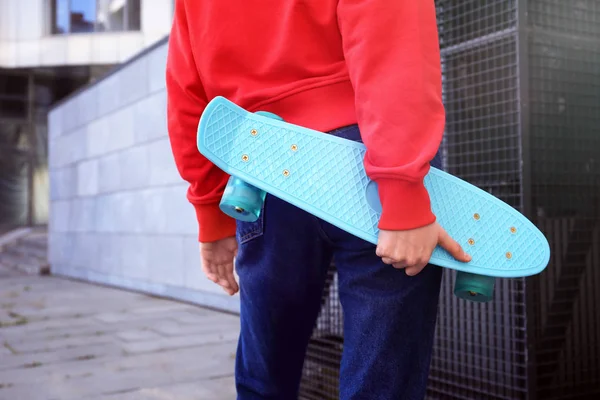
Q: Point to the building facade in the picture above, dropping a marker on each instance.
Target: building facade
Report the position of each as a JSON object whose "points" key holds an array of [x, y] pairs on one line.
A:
{"points": [[48, 49], [521, 84], [51, 33], [118, 208]]}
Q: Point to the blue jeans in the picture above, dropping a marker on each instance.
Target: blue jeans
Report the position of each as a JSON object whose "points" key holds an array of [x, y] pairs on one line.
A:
{"points": [[389, 317]]}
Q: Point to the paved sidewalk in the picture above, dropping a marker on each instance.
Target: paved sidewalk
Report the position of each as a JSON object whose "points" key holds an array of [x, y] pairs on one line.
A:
{"points": [[69, 340]]}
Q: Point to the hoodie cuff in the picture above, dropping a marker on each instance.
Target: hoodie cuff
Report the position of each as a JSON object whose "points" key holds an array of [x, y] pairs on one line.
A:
{"points": [[406, 205], [213, 224]]}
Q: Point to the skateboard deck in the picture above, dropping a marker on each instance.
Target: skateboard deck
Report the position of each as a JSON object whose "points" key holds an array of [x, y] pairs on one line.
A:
{"points": [[324, 175]]}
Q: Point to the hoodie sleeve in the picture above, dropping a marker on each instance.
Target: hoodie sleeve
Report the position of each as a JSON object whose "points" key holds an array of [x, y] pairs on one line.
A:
{"points": [[392, 52], [186, 101]]}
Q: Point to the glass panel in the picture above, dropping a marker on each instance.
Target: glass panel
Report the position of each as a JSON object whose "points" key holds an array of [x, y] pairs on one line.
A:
{"points": [[111, 15], [133, 15], [60, 23], [76, 16], [83, 15]]}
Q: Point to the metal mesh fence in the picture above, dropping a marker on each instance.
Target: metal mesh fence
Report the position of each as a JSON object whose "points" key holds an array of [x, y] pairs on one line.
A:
{"points": [[564, 96], [459, 22], [524, 124], [580, 17], [482, 141], [480, 349], [320, 377], [564, 129]]}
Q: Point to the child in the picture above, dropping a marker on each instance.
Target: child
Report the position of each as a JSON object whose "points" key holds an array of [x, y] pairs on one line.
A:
{"points": [[334, 66]]}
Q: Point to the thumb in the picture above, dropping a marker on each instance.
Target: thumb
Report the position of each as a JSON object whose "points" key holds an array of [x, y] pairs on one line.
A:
{"points": [[452, 246]]}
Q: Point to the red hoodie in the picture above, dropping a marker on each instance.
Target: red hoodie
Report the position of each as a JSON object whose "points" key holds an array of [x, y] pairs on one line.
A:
{"points": [[321, 64]]}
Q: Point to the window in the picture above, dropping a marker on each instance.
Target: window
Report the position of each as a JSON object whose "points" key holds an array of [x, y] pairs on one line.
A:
{"points": [[77, 16]]}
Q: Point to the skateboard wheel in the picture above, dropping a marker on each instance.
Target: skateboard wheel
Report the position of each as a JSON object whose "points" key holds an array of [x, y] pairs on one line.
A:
{"points": [[241, 200], [269, 115], [473, 287]]}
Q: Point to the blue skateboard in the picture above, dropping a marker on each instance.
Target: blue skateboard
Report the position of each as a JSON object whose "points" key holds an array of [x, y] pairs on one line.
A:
{"points": [[324, 175]]}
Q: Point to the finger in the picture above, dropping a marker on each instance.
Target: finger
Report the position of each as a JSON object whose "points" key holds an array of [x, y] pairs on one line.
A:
{"points": [[410, 261], [399, 262], [228, 290], [223, 281], [231, 279], [415, 269], [452, 247], [209, 271], [226, 279], [387, 260]]}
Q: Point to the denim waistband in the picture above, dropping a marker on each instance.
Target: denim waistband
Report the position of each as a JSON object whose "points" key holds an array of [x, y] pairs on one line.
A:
{"points": [[350, 132]]}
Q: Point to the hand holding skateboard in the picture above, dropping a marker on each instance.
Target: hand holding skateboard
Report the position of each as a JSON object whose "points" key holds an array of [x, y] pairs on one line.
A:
{"points": [[412, 249]]}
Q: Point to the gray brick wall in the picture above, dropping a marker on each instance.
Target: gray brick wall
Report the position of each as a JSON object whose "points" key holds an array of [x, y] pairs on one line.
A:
{"points": [[118, 212]]}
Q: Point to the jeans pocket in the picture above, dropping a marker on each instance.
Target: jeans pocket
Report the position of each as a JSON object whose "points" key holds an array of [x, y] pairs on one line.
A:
{"points": [[246, 231]]}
